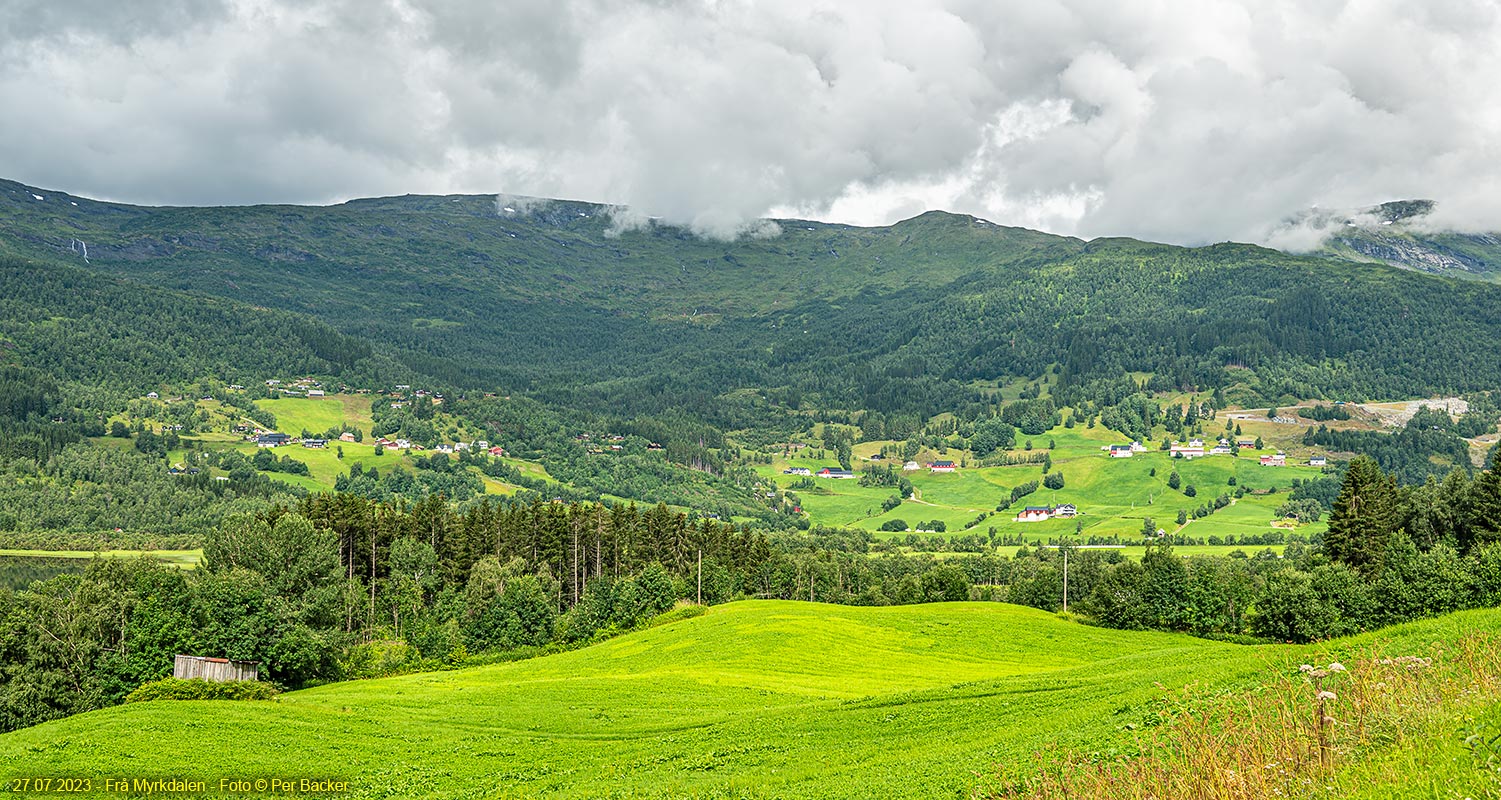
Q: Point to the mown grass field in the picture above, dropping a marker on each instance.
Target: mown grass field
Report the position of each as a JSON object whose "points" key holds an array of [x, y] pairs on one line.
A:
{"points": [[1135, 552], [318, 414], [180, 558], [753, 699], [1114, 496]]}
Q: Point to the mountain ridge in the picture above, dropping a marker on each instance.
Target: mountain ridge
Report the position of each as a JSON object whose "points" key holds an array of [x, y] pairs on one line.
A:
{"points": [[557, 301]]}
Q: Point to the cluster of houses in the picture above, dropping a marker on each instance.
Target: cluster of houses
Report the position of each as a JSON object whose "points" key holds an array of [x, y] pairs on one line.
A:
{"points": [[1196, 448], [456, 447], [838, 472], [611, 443], [1042, 513], [276, 439], [298, 388]]}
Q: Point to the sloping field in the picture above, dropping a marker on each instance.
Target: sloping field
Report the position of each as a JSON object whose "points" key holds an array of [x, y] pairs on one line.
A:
{"points": [[753, 699]]}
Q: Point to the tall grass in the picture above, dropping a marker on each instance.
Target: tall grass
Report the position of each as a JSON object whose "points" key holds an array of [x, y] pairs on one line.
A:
{"points": [[1288, 738]]}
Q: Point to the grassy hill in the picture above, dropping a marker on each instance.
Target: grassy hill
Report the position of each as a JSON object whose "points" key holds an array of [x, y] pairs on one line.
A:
{"points": [[753, 699]]}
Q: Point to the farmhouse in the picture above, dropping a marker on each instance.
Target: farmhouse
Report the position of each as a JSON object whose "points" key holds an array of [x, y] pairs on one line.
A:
{"points": [[1121, 451], [911, 466], [315, 393], [346, 436], [1318, 461], [1066, 510], [1245, 443], [152, 395], [315, 444], [832, 472], [942, 466], [1278, 460], [497, 450], [877, 457], [1138, 447], [1034, 514], [797, 471], [272, 440]]}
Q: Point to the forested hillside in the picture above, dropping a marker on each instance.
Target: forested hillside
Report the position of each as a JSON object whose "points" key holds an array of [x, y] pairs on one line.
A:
{"points": [[555, 297], [82, 326]]}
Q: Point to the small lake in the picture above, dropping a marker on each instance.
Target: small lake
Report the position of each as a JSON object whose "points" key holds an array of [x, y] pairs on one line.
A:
{"points": [[19, 572]]}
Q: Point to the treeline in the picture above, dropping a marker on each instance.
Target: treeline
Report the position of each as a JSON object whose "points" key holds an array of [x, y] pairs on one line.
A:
{"points": [[1392, 553], [342, 586]]}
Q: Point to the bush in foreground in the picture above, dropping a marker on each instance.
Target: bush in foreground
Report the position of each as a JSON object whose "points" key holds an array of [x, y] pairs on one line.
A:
{"points": [[197, 689]]}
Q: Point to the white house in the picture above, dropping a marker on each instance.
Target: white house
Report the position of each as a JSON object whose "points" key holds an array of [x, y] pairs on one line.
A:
{"points": [[911, 466], [1121, 451]]}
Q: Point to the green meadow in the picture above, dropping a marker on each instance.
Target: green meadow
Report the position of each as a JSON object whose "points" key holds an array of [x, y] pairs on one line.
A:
{"points": [[318, 414], [181, 558], [752, 699]]}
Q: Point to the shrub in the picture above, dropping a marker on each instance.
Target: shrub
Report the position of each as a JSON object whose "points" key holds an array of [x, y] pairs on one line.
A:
{"points": [[198, 689]]}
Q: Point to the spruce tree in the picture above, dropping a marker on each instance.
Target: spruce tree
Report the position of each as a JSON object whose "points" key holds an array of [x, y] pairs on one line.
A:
{"points": [[1485, 497], [1365, 515]]}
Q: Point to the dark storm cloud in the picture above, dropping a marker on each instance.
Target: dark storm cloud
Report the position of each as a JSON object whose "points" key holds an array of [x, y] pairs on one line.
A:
{"points": [[1180, 121]]}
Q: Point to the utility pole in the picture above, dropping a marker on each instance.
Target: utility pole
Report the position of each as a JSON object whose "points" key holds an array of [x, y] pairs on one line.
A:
{"points": [[1065, 579]]}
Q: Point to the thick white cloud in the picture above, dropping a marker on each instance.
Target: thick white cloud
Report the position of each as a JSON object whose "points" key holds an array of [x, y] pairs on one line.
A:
{"points": [[1189, 121]]}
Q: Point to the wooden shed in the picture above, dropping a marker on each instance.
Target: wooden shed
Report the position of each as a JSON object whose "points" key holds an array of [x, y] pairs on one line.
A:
{"points": [[215, 669]]}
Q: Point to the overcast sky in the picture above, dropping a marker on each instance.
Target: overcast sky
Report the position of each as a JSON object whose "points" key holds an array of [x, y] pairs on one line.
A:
{"points": [[1188, 122]]}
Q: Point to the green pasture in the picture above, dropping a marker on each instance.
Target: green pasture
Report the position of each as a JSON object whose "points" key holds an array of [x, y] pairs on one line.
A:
{"points": [[181, 558], [318, 414], [914, 701], [1114, 495]]}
